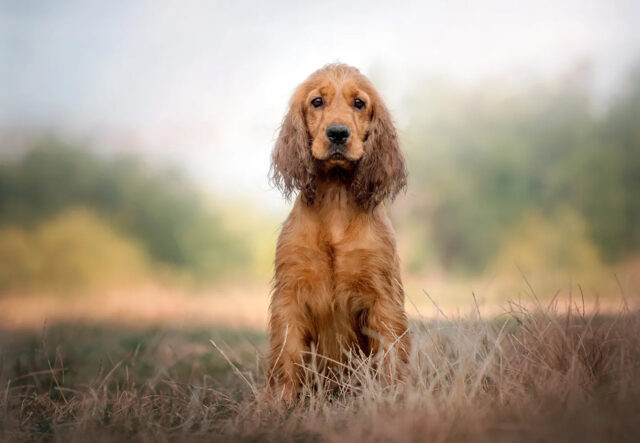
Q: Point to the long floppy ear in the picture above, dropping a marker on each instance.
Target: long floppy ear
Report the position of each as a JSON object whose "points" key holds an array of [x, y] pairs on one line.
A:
{"points": [[292, 166], [381, 172]]}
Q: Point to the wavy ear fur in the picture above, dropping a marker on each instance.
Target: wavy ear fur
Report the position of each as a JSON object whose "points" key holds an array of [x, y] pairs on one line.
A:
{"points": [[292, 166], [381, 172]]}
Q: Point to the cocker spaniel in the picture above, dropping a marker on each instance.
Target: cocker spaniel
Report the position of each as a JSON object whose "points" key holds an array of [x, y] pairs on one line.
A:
{"points": [[337, 286]]}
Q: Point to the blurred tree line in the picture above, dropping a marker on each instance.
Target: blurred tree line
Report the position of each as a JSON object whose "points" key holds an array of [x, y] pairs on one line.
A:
{"points": [[488, 162], [68, 215], [531, 173]]}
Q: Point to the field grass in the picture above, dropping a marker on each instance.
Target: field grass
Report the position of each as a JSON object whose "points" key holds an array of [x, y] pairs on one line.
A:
{"points": [[532, 374]]}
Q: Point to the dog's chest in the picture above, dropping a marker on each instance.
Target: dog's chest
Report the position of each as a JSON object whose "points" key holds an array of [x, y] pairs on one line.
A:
{"points": [[340, 233], [351, 249], [336, 252], [339, 223], [355, 249], [335, 260]]}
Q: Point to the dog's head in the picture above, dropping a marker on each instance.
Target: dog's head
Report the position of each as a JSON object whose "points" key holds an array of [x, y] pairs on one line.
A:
{"points": [[337, 120]]}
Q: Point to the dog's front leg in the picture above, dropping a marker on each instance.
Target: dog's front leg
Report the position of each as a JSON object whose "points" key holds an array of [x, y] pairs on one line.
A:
{"points": [[388, 335], [287, 349]]}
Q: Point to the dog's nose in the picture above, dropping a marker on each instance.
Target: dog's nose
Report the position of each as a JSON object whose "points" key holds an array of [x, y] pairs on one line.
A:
{"points": [[338, 134]]}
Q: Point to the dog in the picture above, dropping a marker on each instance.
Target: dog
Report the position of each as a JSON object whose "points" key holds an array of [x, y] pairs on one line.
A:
{"points": [[337, 287]]}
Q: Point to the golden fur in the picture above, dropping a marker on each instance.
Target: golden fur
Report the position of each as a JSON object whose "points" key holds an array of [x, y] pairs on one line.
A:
{"points": [[337, 286]]}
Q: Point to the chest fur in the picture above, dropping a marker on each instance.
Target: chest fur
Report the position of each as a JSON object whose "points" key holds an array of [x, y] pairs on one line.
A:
{"points": [[335, 253], [332, 263]]}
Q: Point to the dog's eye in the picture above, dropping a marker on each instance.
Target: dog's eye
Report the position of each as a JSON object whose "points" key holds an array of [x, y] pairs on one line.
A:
{"points": [[358, 104], [317, 102]]}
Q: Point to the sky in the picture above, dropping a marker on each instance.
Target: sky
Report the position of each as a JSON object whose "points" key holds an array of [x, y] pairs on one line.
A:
{"points": [[204, 84]]}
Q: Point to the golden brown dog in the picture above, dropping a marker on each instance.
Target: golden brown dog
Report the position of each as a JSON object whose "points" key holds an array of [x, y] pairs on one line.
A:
{"points": [[337, 286]]}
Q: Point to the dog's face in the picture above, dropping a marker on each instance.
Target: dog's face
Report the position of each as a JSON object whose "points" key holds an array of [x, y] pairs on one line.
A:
{"points": [[336, 119], [338, 115]]}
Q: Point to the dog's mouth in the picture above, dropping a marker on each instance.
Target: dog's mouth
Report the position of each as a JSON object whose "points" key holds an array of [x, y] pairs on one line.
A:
{"points": [[337, 160], [337, 154]]}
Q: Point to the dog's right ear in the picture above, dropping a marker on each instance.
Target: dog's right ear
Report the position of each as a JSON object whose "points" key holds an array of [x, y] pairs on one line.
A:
{"points": [[292, 166]]}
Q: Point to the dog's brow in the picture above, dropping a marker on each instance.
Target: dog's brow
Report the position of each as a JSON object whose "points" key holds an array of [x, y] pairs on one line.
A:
{"points": [[350, 88], [327, 90]]}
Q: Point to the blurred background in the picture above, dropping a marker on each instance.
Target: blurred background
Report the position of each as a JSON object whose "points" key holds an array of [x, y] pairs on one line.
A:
{"points": [[135, 140]]}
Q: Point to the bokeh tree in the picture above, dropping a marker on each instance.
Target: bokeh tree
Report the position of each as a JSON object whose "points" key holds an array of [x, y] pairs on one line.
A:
{"points": [[481, 159], [174, 223]]}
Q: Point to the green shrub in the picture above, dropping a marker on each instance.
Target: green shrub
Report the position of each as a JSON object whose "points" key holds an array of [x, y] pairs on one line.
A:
{"points": [[74, 250], [550, 244], [482, 158], [171, 220]]}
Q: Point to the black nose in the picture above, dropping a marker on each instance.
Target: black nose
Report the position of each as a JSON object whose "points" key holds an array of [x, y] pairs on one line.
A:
{"points": [[338, 134]]}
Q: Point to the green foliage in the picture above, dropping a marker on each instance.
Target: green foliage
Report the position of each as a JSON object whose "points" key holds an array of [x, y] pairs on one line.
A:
{"points": [[557, 243], [171, 220], [480, 160], [611, 198], [74, 250]]}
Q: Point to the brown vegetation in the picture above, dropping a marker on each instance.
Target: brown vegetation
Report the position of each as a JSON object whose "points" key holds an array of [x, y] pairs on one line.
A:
{"points": [[546, 374]]}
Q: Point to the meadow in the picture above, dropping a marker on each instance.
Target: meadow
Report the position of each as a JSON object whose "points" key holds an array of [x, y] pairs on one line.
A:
{"points": [[552, 370]]}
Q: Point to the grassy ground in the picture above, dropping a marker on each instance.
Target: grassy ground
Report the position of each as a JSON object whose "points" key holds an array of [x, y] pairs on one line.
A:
{"points": [[529, 375]]}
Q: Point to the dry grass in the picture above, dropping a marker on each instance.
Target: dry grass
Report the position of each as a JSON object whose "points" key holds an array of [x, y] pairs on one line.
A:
{"points": [[148, 305], [540, 374]]}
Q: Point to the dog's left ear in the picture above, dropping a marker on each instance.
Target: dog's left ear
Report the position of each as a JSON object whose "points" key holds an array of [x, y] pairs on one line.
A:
{"points": [[381, 172]]}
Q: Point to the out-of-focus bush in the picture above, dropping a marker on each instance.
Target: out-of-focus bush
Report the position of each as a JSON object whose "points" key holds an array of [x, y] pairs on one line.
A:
{"points": [[256, 229], [174, 223], [481, 159], [556, 243], [73, 250]]}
